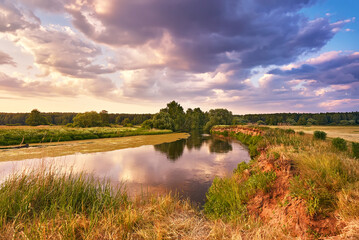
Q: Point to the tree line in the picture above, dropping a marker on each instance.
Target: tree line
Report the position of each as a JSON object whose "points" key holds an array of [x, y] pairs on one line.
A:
{"points": [[334, 118], [60, 118], [175, 118]]}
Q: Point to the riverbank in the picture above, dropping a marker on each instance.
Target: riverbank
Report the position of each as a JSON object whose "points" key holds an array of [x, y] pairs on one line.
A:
{"points": [[302, 186], [21, 135], [86, 146]]}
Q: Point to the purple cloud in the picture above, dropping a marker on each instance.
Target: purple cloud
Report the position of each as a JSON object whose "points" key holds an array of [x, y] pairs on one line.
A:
{"points": [[206, 34], [328, 69]]}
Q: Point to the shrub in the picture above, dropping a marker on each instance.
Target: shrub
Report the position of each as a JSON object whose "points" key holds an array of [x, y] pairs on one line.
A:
{"points": [[339, 143], [301, 133], [289, 131], [355, 149], [320, 135]]}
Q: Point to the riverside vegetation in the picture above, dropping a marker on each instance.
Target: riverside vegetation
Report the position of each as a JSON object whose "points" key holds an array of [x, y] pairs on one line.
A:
{"points": [[27, 135], [295, 186]]}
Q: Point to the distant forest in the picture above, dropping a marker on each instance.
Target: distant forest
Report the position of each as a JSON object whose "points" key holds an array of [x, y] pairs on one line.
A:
{"points": [[60, 118], [345, 118]]}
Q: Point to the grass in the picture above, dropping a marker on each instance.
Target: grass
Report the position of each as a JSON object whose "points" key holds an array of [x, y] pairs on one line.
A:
{"points": [[21, 135], [227, 197], [43, 204]]}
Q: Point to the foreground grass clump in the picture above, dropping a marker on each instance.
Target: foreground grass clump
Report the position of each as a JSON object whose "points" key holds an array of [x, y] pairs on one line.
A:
{"points": [[25, 197], [47, 205], [14, 136], [227, 197]]}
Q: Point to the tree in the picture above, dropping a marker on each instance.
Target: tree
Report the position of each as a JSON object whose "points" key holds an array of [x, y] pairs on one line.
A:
{"points": [[218, 116], [88, 119], [291, 121], [261, 122], [194, 119], [148, 124], [163, 120], [239, 121], [311, 121], [176, 113], [35, 118], [105, 118]]}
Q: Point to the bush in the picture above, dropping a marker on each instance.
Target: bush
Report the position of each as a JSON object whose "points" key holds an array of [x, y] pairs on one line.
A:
{"points": [[340, 144], [301, 133], [289, 131], [320, 135], [355, 149]]}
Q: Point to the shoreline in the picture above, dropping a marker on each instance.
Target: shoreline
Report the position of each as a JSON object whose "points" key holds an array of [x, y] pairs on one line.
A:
{"points": [[86, 146]]}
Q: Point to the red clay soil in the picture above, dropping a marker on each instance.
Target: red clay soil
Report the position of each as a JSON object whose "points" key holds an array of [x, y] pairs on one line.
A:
{"points": [[277, 207]]}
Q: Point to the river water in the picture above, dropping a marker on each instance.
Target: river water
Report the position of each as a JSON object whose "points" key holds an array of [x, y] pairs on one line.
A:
{"points": [[186, 167]]}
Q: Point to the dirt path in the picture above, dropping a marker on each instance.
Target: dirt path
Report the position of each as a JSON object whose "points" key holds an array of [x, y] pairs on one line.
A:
{"points": [[86, 146]]}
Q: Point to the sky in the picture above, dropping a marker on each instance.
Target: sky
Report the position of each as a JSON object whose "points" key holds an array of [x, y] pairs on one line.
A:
{"points": [[134, 56]]}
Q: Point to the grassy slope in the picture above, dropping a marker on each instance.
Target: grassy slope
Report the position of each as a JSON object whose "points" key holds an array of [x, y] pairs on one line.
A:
{"points": [[315, 191], [27, 135]]}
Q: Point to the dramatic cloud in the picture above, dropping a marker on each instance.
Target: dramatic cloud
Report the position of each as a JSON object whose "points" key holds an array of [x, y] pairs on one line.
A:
{"points": [[328, 69], [199, 35], [207, 51]]}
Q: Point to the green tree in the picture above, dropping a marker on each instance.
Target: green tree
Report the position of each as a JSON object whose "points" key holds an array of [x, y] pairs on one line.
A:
{"points": [[239, 121], [195, 119], [88, 119], [302, 120], [260, 122], [148, 124], [176, 113], [291, 121], [35, 118], [125, 121], [218, 116], [163, 120], [311, 121], [105, 118]]}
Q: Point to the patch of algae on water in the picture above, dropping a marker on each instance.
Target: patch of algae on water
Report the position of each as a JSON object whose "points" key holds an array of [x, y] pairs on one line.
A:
{"points": [[86, 146]]}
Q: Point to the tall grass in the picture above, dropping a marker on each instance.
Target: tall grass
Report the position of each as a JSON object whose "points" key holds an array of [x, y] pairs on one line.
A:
{"points": [[227, 197], [35, 135], [48, 205], [325, 172]]}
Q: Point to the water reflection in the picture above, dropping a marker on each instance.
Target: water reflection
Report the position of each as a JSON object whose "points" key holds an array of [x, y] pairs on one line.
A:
{"points": [[174, 150], [185, 166], [220, 146]]}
